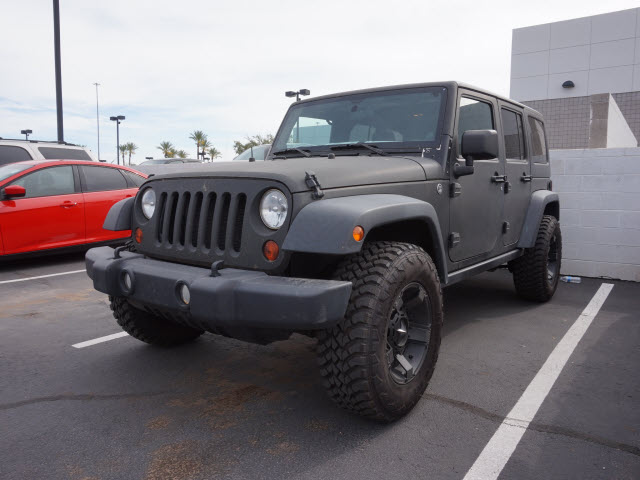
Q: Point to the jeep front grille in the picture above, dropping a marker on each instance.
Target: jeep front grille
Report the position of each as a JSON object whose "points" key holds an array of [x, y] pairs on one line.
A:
{"points": [[201, 220]]}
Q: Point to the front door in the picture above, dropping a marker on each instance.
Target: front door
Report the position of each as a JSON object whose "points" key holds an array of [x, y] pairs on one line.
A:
{"points": [[476, 199], [51, 215], [518, 172]]}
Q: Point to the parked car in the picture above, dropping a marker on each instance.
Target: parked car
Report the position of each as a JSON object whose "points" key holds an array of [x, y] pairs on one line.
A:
{"points": [[47, 205], [377, 200], [259, 152], [12, 151]]}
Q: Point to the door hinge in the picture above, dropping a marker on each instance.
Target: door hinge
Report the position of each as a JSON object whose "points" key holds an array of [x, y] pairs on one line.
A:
{"points": [[454, 239], [505, 227], [455, 189], [507, 187], [498, 178], [312, 182]]}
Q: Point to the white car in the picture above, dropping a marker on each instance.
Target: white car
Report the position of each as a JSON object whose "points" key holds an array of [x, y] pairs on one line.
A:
{"points": [[20, 150]]}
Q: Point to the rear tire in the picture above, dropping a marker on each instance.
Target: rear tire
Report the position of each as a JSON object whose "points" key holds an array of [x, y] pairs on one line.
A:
{"points": [[150, 328], [395, 311], [536, 273]]}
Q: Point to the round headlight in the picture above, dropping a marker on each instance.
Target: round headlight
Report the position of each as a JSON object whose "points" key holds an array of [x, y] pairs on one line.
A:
{"points": [[148, 202], [273, 209]]}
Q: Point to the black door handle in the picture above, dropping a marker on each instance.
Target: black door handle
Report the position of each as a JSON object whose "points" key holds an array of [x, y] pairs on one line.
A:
{"points": [[499, 178], [526, 178]]}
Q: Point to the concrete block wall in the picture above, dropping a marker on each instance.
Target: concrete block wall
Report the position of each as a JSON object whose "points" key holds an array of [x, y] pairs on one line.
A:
{"points": [[599, 211]]}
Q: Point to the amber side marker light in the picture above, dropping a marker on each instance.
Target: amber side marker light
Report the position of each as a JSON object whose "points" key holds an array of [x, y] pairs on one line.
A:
{"points": [[358, 233], [270, 250], [138, 236]]}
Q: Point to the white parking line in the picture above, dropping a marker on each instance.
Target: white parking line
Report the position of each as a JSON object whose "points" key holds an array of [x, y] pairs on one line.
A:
{"points": [[88, 343], [497, 452], [42, 276]]}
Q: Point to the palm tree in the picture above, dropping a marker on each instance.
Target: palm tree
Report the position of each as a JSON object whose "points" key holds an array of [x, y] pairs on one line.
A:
{"points": [[131, 148], [204, 145], [214, 153], [172, 153], [166, 148], [123, 150], [181, 154], [198, 136]]}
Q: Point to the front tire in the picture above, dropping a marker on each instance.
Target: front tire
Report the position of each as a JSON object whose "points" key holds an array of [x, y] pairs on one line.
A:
{"points": [[536, 273], [378, 361], [150, 328]]}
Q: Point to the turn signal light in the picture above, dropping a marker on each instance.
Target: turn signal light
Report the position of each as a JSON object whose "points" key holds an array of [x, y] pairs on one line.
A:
{"points": [[270, 250], [358, 233], [138, 235]]}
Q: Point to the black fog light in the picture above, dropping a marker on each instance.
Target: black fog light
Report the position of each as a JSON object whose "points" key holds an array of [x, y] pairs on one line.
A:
{"points": [[127, 282], [184, 293]]}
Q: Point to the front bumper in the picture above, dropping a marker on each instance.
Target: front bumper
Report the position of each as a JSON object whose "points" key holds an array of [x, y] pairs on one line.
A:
{"points": [[236, 298]]}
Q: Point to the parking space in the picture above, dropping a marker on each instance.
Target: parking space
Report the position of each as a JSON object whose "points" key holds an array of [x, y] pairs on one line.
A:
{"points": [[220, 408]]}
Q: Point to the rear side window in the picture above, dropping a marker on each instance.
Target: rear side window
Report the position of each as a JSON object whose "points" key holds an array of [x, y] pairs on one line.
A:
{"points": [[137, 180], [48, 182], [101, 179], [513, 134], [538, 141], [11, 154], [474, 115], [55, 153]]}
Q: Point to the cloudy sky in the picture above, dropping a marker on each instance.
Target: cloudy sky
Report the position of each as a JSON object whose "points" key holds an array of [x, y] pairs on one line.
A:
{"points": [[176, 66]]}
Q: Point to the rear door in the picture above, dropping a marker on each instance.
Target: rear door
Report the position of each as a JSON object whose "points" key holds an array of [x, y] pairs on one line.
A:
{"points": [[102, 186], [517, 170], [477, 199], [51, 215]]}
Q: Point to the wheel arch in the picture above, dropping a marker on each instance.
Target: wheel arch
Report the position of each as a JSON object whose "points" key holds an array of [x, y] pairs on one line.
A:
{"points": [[326, 226], [543, 202]]}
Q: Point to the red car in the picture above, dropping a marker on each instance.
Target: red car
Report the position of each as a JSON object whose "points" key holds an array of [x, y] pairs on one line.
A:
{"points": [[47, 205]]}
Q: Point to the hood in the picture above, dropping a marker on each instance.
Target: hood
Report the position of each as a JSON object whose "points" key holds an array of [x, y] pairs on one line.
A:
{"points": [[342, 171]]}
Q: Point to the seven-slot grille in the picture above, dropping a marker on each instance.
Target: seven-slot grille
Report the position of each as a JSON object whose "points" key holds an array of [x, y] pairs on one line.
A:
{"points": [[201, 220]]}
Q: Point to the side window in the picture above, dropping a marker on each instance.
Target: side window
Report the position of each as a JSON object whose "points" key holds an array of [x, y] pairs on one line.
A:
{"points": [[100, 179], [137, 180], [513, 134], [55, 153], [538, 141], [473, 115], [11, 154], [48, 182]]}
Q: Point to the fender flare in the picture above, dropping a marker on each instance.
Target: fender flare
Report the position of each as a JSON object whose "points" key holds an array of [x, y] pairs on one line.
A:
{"points": [[326, 226], [119, 216], [539, 200]]}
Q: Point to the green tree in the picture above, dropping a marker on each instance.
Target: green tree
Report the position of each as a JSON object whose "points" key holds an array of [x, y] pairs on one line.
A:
{"points": [[251, 141], [199, 137], [181, 154], [172, 153], [123, 150], [131, 149], [214, 152], [166, 148]]}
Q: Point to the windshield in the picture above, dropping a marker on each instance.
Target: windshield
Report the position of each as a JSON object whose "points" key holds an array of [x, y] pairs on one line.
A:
{"points": [[7, 171], [389, 119]]}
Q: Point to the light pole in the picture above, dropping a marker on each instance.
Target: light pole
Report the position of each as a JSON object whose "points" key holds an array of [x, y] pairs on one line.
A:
{"points": [[290, 93], [98, 119], [117, 120], [56, 50], [26, 133], [302, 91]]}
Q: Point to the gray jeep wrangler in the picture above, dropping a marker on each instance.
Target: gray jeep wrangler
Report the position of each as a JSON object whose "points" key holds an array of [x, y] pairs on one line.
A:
{"points": [[367, 205]]}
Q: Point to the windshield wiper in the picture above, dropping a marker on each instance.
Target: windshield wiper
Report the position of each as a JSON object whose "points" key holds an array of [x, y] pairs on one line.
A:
{"points": [[292, 149], [352, 146]]}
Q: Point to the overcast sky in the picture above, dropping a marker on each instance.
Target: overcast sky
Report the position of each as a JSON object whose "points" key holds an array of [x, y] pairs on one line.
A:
{"points": [[222, 67]]}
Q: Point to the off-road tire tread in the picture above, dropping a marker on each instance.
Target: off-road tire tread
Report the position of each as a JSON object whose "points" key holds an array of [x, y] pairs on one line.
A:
{"points": [[530, 270], [150, 328], [347, 351]]}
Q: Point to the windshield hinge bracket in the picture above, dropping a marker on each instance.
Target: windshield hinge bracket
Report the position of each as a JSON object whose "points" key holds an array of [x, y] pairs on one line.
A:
{"points": [[312, 182]]}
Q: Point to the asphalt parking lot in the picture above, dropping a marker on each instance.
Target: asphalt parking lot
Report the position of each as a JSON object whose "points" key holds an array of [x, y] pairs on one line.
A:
{"points": [[219, 408]]}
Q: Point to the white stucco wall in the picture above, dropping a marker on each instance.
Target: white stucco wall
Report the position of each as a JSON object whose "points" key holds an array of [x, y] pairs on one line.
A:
{"points": [[599, 211], [600, 54]]}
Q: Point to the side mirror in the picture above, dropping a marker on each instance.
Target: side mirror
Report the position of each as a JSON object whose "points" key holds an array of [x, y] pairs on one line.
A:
{"points": [[476, 145], [13, 191]]}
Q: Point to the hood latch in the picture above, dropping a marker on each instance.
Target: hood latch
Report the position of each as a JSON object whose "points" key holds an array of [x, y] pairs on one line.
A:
{"points": [[312, 182]]}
